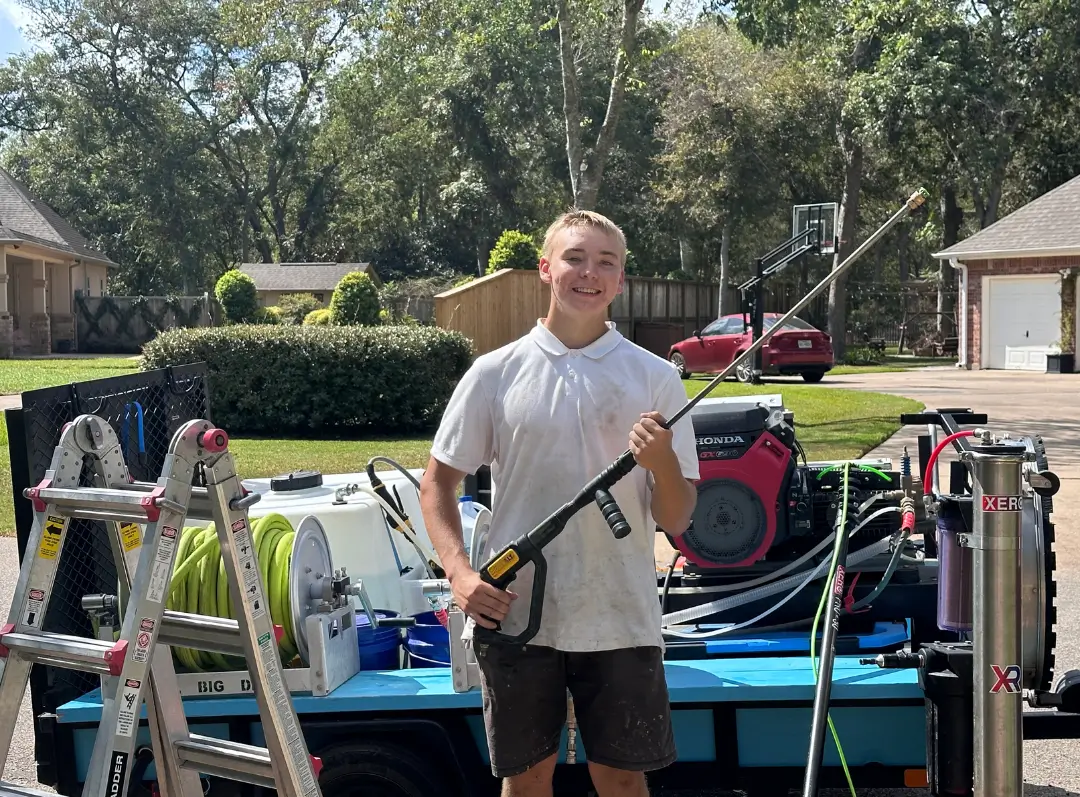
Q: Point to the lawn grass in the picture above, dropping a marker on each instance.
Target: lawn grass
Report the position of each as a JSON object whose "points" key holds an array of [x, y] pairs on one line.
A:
{"points": [[19, 376], [892, 363], [831, 424], [261, 458]]}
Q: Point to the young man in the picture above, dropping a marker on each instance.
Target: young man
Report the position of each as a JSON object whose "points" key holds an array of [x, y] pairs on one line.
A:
{"points": [[549, 412]]}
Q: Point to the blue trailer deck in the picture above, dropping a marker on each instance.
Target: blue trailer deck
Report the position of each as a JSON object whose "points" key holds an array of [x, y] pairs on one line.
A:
{"points": [[730, 715]]}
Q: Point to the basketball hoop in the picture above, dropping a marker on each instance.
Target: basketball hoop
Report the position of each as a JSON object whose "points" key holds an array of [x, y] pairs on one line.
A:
{"points": [[822, 215]]}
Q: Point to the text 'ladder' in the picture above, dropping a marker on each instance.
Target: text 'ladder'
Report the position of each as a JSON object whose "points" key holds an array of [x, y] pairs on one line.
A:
{"points": [[138, 667]]}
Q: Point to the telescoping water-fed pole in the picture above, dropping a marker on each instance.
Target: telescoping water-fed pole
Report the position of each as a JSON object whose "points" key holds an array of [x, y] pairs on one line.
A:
{"points": [[501, 570], [995, 542]]}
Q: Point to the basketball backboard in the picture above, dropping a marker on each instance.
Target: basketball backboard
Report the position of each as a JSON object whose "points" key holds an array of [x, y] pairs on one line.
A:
{"points": [[824, 216]]}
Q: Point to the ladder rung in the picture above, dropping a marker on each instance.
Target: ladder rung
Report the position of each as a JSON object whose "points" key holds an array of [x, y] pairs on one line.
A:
{"points": [[226, 759], [105, 516], [138, 502], [232, 760], [11, 790], [178, 629], [198, 506], [64, 650], [97, 503]]}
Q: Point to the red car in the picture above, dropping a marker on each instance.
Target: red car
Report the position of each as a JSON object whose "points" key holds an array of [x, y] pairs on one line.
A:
{"points": [[797, 348]]}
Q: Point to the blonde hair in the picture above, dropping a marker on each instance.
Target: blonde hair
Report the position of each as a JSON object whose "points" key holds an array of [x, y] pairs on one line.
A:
{"points": [[584, 218]]}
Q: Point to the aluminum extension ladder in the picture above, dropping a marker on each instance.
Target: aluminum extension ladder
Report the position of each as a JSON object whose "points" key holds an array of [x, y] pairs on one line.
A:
{"points": [[139, 665]]}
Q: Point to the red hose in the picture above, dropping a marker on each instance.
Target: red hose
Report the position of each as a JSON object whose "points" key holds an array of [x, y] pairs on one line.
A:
{"points": [[928, 479]]}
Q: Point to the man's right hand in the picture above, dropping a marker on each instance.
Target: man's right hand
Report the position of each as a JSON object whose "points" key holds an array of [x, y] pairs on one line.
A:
{"points": [[479, 600]]}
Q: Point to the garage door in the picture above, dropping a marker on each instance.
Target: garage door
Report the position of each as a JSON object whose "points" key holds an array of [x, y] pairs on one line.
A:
{"points": [[1022, 320]]}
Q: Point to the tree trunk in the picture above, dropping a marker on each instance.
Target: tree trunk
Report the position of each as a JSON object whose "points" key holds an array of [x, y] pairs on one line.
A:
{"points": [[725, 262], [902, 252], [587, 170], [687, 259], [852, 153], [952, 219], [483, 253]]}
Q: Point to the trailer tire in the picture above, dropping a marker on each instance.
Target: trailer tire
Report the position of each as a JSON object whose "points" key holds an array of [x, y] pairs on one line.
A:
{"points": [[366, 769]]}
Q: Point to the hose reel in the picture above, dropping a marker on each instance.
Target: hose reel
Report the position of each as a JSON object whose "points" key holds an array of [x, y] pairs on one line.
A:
{"points": [[298, 576]]}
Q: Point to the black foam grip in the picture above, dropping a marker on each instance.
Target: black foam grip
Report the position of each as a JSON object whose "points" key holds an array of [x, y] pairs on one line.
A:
{"points": [[612, 514]]}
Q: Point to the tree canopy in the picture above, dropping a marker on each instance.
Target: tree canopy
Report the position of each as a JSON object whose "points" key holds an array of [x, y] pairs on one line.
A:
{"points": [[184, 138]]}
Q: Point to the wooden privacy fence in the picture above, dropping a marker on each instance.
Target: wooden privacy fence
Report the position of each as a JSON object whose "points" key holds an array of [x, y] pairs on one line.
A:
{"points": [[496, 309], [655, 313], [422, 308], [122, 324], [493, 310]]}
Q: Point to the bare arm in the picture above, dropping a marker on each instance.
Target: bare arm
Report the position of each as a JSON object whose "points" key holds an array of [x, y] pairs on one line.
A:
{"points": [[438, 504], [673, 500], [674, 496]]}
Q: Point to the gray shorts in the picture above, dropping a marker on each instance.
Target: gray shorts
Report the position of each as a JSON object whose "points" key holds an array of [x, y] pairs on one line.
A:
{"points": [[620, 704]]}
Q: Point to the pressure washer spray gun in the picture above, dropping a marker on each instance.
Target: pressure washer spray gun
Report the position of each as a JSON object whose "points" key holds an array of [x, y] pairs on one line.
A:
{"points": [[501, 570]]}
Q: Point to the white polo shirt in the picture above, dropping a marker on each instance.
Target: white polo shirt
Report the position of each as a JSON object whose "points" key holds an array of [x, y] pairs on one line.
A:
{"points": [[547, 420]]}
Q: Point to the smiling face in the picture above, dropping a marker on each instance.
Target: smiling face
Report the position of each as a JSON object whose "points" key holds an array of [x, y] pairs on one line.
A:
{"points": [[584, 266]]}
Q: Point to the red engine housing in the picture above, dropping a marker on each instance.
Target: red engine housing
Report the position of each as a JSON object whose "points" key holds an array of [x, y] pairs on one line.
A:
{"points": [[746, 466]]}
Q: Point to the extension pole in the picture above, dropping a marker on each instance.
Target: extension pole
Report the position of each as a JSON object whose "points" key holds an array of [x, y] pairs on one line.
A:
{"points": [[996, 616]]}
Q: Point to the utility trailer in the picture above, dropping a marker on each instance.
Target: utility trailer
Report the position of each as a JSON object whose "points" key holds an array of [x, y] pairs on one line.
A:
{"points": [[739, 723], [742, 705]]}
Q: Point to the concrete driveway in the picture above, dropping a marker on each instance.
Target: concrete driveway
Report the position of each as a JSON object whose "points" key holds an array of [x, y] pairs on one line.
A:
{"points": [[1016, 402]]}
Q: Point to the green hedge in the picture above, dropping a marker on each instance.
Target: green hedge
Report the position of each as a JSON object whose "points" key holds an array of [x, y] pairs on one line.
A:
{"points": [[283, 381]]}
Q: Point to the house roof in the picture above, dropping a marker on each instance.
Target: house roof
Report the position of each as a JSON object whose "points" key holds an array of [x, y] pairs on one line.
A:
{"points": [[303, 276], [1045, 227], [26, 219]]}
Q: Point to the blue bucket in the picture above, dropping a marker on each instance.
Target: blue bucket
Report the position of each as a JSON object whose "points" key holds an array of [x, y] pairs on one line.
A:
{"points": [[427, 642], [425, 650], [379, 647], [419, 662]]}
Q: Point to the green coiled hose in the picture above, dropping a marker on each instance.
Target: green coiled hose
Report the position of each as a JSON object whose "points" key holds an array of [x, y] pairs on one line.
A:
{"points": [[201, 586]]}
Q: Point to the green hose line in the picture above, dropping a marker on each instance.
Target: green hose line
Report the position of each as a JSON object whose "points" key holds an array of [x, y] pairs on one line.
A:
{"points": [[200, 586], [841, 529]]}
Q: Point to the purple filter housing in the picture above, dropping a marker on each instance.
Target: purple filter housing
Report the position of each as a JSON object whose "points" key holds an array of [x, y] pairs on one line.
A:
{"points": [[954, 570]]}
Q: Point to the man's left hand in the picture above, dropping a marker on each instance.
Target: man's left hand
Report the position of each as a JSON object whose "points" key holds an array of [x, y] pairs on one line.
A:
{"points": [[651, 443]]}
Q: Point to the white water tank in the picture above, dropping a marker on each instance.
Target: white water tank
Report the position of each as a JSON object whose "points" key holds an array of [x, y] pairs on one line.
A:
{"points": [[360, 539]]}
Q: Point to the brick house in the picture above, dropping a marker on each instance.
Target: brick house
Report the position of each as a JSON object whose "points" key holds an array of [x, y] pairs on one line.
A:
{"points": [[1011, 276], [44, 264]]}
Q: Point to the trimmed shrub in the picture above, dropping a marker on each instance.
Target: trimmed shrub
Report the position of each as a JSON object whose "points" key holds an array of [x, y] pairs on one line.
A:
{"points": [[291, 381], [320, 317], [355, 300], [235, 292], [269, 315], [296, 306], [514, 249]]}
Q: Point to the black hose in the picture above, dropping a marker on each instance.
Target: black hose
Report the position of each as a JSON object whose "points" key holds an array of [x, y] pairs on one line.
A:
{"points": [[667, 581]]}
